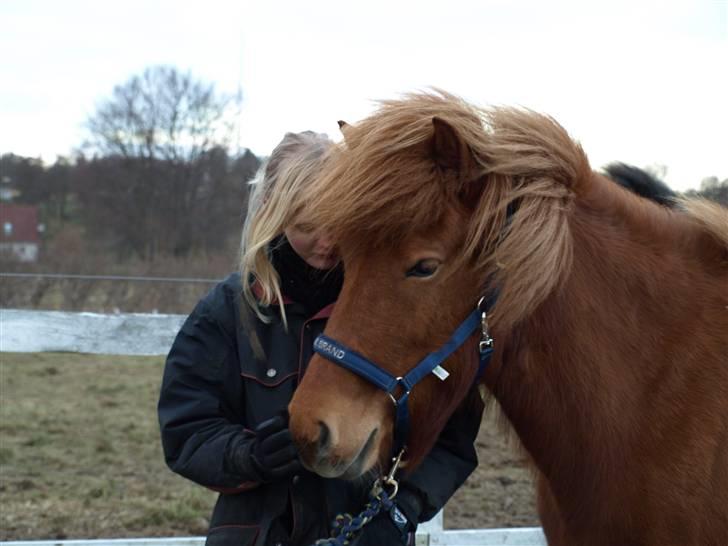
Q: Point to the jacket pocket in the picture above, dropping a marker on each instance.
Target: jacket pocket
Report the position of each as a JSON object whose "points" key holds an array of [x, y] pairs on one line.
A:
{"points": [[267, 392], [232, 535]]}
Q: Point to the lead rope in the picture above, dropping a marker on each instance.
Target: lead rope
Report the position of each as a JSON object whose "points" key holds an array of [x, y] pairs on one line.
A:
{"points": [[346, 528]]}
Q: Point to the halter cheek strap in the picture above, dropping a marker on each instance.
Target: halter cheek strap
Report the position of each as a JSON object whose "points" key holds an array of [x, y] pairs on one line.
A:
{"points": [[354, 362]]}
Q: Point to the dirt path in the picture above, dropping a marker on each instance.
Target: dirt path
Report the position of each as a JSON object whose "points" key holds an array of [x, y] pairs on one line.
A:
{"points": [[500, 492]]}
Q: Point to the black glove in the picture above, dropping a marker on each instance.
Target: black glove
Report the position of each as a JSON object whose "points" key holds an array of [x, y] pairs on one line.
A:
{"points": [[274, 453], [270, 456], [393, 527]]}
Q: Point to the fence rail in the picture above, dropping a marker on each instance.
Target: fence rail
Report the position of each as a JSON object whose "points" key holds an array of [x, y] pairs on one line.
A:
{"points": [[529, 536], [150, 334], [24, 331], [82, 277]]}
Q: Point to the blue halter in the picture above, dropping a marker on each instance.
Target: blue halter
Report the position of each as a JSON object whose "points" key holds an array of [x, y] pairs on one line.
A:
{"points": [[365, 368]]}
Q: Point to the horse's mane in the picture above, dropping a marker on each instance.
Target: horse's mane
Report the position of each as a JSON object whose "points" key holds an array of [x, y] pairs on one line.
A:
{"points": [[711, 217], [382, 185], [518, 156]]}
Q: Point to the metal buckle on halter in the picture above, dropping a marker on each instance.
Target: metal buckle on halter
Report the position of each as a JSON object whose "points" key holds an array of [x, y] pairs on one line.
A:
{"points": [[486, 341]]}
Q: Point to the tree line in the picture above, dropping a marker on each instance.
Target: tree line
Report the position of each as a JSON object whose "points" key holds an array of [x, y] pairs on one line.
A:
{"points": [[155, 177], [712, 188]]}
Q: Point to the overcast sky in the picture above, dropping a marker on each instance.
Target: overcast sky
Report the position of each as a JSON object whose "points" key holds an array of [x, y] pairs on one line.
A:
{"points": [[644, 82]]}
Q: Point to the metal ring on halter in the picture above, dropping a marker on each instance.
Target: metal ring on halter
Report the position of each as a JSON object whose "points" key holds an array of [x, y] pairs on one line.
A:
{"points": [[391, 396]]}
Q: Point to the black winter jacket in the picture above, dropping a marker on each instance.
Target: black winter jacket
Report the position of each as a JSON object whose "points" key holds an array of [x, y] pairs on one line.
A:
{"points": [[214, 391]]}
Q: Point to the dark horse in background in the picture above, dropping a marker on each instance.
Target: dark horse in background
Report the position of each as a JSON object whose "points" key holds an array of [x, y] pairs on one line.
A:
{"points": [[610, 325], [642, 183]]}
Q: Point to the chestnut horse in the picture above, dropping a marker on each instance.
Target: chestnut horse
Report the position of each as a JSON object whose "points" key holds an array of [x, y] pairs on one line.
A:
{"points": [[610, 325]]}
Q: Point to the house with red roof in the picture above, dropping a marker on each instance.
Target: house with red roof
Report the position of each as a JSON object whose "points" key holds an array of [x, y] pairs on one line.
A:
{"points": [[19, 238]]}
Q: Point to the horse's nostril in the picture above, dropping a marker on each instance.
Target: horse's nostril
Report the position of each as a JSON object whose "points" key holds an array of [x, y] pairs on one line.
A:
{"points": [[324, 437]]}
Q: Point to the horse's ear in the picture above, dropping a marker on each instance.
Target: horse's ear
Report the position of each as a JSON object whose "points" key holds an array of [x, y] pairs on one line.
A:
{"points": [[343, 127], [449, 151]]}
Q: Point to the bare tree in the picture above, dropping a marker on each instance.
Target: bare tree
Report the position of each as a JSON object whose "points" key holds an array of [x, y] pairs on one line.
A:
{"points": [[164, 115], [163, 183]]}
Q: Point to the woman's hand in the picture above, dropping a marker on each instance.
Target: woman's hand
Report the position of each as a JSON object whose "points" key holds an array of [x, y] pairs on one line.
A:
{"points": [[273, 453]]}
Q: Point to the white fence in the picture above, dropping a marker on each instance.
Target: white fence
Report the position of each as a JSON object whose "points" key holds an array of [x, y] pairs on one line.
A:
{"points": [[475, 537], [121, 334], [145, 334]]}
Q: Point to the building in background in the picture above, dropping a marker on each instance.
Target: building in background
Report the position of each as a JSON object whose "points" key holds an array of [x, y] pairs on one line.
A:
{"points": [[19, 237]]}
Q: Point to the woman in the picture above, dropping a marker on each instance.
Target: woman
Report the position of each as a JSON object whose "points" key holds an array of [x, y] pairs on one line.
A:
{"points": [[236, 362]]}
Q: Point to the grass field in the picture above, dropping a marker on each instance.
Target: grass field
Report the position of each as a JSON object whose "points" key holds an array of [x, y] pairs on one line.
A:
{"points": [[80, 457]]}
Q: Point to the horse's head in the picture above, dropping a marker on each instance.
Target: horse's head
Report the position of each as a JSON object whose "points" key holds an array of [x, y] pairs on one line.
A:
{"points": [[418, 214]]}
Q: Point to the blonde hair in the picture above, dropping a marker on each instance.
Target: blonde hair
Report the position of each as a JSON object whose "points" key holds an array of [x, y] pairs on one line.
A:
{"points": [[277, 199]]}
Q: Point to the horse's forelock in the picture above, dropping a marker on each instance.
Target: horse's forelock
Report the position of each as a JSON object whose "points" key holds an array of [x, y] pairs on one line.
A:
{"points": [[383, 186], [378, 192]]}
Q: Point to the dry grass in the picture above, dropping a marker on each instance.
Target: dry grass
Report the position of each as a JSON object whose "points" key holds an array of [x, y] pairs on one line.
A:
{"points": [[80, 455]]}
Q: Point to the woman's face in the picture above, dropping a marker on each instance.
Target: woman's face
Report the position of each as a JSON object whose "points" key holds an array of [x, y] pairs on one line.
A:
{"points": [[315, 248]]}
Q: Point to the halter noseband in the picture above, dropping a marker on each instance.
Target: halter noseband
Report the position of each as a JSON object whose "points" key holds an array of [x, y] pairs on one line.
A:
{"points": [[365, 368]]}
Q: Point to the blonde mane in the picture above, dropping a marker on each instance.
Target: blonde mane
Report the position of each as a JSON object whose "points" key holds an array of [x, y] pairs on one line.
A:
{"points": [[382, 185], [711, 217]]}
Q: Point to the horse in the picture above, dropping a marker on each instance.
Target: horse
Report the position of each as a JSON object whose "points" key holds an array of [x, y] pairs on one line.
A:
{"points": [[641, 182], [608, 311]]}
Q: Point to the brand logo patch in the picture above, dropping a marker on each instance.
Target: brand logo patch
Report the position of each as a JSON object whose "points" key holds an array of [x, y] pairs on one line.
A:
{"points": [[398, 517], [329, 349]]}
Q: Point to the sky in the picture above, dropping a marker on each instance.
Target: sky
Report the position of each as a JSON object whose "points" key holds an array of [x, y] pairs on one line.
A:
{"points": [[639, 81]]}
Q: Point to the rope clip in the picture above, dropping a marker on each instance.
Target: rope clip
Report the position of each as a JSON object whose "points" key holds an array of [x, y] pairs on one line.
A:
{"points": [[389, 480], [486, 341]]}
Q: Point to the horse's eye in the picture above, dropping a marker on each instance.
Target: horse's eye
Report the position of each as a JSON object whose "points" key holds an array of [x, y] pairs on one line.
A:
{"points": [[424, 268]]}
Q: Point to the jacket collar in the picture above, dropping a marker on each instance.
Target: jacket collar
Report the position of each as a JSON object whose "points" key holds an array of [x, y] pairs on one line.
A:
{"points": [[258, 293], [321, 314]]}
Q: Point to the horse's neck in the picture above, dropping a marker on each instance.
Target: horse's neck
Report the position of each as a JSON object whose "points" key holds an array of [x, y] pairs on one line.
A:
{"points": [[576, 373]]}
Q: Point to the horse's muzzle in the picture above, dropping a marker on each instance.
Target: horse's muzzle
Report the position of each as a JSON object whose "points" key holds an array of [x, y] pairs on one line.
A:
{"points": [[321, 456]]}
